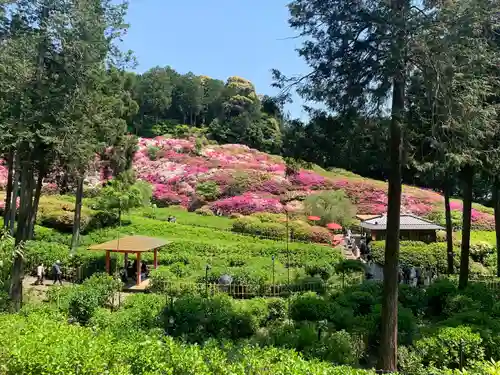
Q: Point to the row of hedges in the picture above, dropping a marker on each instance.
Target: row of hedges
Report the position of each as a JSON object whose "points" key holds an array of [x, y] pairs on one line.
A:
{"points": [[260, 225], [39, 344], [433, 256]]}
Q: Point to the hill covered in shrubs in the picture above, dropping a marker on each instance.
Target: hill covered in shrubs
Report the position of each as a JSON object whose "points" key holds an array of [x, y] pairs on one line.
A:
{"points": [[235, 179]]}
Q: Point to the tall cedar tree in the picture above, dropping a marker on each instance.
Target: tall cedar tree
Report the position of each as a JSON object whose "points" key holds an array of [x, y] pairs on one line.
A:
{"points": [[359, 58]]}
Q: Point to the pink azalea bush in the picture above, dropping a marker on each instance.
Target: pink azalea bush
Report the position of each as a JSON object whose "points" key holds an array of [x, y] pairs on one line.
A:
{"points": [[247, 204]]}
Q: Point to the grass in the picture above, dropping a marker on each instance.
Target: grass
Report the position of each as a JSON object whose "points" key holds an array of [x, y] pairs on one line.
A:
{"points": [[187, 218]]}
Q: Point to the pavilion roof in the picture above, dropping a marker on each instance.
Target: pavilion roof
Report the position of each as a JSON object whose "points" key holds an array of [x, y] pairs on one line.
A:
{"points": [[136, 244], [406, 222]]}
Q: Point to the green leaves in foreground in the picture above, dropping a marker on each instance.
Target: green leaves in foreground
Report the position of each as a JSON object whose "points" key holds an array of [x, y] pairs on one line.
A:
{"points": [[39, 345]]}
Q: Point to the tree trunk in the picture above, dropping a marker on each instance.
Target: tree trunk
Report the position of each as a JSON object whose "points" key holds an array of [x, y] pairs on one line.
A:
{"points": [[467, 176], [389, 317], [449, 228], [77, 218], [25, 206], [36, 202], [389, 333], [15, 194], [496, 205], [8, 194]]}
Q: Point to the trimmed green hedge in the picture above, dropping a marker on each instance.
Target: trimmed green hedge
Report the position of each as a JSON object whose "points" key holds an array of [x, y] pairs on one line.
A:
{"points": [[38, 344]]}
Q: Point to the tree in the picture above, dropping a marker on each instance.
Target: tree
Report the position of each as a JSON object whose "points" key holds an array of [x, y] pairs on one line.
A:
{"points": [[56, 63], [358, 54], [331, 206], [458, 68], [123, 194]]}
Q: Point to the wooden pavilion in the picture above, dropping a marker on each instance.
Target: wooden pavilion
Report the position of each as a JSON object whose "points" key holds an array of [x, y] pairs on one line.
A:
{"points": [[131, 245], [412, 228]]}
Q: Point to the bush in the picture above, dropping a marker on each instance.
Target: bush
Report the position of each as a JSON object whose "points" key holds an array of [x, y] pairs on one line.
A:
{"points": [[445, 348], [309, 307], [82, 304], [418, 254], [153, 152], [438, 294], [331, 206], [197, 318], [252, 225], [81, 301], [204, 211], [140, 312], [208, 190]]}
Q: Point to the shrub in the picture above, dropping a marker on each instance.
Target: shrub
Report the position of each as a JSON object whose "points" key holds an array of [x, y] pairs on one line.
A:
{"points": [[208, 190], [252, 225], [321, 269], [331, 206], [197, 318], [140, 312], [153, 152], [438, 294], [82, 304], [309, 306], [337, 347], [448, 345], [81, 301], [204, 211]]}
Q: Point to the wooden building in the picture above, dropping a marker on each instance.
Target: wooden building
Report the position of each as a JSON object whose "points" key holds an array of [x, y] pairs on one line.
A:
{"points": [[412, 228]]}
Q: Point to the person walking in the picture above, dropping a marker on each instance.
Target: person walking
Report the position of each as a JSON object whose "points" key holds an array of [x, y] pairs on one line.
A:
{"points": [[56, 270], [39, 274]]}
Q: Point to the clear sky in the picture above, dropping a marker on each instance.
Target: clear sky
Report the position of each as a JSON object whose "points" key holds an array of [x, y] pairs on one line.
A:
{"points": [[217, 38]]}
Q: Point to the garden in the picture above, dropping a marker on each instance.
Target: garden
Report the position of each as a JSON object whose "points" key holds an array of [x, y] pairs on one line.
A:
{"points": [[294, 305]]}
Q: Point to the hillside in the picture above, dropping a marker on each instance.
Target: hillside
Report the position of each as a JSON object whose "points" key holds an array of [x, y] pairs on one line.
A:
{"points": [[234, 178]]}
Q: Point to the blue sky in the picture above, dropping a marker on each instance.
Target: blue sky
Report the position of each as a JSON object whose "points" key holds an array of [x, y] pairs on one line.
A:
{"points": [[217, 38]]}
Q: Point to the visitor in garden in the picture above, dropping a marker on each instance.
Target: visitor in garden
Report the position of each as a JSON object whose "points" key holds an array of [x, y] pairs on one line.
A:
{"points": [[407, 274], [56, 270], [39, 274], [363, 249]]}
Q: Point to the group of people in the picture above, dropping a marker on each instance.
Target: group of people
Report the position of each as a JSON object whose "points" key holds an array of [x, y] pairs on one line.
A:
{"points": [[415, 276], [130, 271], [56, 273]]}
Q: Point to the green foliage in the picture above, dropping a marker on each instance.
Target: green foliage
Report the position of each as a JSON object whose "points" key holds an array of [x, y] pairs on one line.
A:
{"points": [[418, 254], [153, 152], [53, 346], [198, 318], [204, 211], [139, 313], [314, 341], [331, 207], [123, 195], [208, 190], [309, 306], [448, 346]]}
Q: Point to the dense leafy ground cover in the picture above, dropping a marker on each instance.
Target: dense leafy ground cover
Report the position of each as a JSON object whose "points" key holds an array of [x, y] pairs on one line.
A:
{"points": [[440, 330]]}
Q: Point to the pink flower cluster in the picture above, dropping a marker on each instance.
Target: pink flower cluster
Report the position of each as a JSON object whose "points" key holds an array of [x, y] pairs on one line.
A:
{"points": [[247, 204]]}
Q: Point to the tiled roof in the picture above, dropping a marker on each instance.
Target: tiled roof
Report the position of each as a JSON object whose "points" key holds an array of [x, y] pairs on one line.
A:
{"points": [[407, 222]]}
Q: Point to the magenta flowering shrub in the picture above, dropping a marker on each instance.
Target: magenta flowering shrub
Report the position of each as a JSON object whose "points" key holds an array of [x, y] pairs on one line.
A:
{"points": [[247, 204], [311, 180], [164, 196]]}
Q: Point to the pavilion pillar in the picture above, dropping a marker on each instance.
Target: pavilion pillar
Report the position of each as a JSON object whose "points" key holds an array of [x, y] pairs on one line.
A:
{"points": [[155, 258], [108, 262], [125, 262], [138, 282]]}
